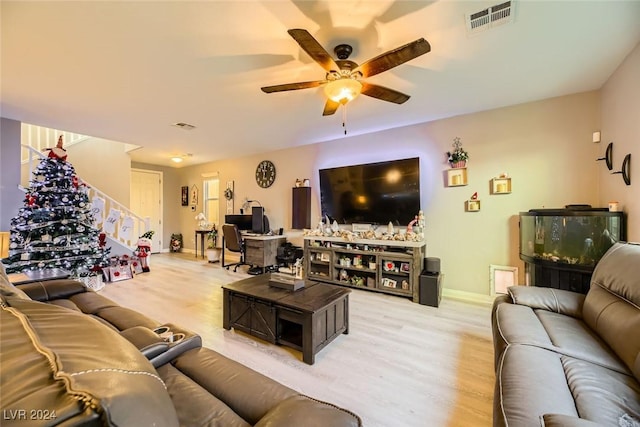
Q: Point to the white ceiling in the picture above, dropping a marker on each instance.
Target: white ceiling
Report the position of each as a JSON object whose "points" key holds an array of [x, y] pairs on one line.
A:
{"points": [[126, 71]]}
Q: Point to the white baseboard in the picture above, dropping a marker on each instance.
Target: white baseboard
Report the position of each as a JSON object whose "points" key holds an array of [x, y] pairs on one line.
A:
{"points": [[468, 296]]}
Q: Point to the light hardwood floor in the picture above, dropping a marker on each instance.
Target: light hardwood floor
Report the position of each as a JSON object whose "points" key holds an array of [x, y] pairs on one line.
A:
{"points": [[402, 364]]}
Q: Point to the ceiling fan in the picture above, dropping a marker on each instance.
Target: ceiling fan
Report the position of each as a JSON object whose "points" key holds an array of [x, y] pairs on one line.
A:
{"points": [[344, 78]]}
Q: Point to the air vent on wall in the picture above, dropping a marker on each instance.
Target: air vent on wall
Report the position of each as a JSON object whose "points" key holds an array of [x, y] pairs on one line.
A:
{"points": [[487, 18]]}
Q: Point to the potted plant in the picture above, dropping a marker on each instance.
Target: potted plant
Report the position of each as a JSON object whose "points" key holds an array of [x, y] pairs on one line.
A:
{"points": [[213, 252], [458, 157]]}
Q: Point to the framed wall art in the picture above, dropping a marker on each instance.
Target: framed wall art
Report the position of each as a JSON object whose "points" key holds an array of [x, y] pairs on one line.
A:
{"points": [[194, 195], [184, 195]]}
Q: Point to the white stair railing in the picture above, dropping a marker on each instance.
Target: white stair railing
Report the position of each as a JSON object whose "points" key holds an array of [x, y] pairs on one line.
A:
{"points": [[39, 138], [120, 216]]}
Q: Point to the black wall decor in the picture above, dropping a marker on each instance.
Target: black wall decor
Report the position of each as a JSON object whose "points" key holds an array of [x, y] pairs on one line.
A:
{"points": [[626, 169], [608, 156]]}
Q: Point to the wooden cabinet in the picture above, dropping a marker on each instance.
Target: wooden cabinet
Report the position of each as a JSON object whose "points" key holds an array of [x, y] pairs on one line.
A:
{"points": [[253, 316], [392, 267], [301, 208], [262, 250]]}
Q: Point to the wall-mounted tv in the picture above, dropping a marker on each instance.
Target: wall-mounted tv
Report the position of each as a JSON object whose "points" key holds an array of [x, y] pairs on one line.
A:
{"points": [[373, 193]]}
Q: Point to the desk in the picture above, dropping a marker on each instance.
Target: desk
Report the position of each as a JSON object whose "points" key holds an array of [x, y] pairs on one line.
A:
{"points": [[203, 234], [262, 250]]}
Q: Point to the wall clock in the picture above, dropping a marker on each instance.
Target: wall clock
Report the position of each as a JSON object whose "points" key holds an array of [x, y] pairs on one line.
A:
{"points": [[265, 173]]}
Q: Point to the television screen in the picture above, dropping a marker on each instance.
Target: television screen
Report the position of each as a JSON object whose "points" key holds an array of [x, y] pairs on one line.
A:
{"points": [[373, 193]]}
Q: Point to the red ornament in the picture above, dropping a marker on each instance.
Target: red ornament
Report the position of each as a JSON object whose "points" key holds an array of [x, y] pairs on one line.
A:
{"points": [[31, 200], [74, 180], [102, 239]]}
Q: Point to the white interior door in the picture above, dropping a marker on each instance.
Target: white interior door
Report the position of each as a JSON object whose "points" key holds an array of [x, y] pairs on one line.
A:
{"points": [[146, 201]]}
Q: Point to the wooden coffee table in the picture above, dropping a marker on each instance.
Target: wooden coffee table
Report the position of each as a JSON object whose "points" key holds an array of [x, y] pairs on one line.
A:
{"points": [[307, 319]]}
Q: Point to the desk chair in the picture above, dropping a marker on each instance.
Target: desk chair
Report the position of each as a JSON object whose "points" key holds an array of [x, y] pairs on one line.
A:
{"points": [[233, 242]]}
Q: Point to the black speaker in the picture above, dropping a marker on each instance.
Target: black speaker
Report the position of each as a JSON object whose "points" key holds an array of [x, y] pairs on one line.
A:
{"points": [[432, 265], [430, 289]]}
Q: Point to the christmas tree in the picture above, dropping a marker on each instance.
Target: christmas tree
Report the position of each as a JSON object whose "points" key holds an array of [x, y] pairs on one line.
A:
{"points": [[55, 227]]}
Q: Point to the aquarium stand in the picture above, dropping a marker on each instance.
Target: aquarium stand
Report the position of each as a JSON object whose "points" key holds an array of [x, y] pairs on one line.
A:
{"points": [[561, 247]]}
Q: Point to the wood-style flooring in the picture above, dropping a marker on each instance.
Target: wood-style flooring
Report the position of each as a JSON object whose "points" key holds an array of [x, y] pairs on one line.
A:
{"points": [[402, 364]]}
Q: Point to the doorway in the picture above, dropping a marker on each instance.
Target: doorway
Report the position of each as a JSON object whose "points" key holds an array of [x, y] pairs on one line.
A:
{"points": [[146, 201]]}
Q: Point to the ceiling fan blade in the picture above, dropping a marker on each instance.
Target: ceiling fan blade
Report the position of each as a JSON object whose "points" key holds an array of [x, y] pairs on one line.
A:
{"points": [[292, 86], [330, 107], [314, 49], [394, 57], [384, 93]]}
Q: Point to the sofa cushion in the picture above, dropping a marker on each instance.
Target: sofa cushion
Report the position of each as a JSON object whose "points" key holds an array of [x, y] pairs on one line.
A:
{"points": [[97, 374], [530, 382], [612, 306], [248, 393], [194, 405], [518, 324], [307, 412], [602, 395], [574, 338], [557, 420], [53, 289]]}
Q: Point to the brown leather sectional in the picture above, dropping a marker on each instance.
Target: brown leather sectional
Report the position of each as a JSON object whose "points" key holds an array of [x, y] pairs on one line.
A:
{"points": [[566, 359], [71, 357]]}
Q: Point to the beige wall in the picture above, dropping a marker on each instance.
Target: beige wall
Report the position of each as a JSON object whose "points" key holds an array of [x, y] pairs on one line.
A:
{"points": [[544, 146], [104, 164], [621, 125]]}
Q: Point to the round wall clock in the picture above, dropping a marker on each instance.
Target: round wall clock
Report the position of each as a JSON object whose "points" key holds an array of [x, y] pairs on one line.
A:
{"points": [[265, 173]]}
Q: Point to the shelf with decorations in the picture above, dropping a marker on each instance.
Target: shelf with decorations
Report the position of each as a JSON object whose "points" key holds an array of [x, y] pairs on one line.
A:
{"points": [[361, 263], [457, 159], [501, 184]]}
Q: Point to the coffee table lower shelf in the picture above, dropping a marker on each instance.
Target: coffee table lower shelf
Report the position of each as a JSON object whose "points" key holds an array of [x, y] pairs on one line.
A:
{"points": [[306, 320]]}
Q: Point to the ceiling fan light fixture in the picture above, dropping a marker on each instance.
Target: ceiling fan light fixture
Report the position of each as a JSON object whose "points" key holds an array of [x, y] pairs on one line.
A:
{"points": [[177, 159], [343, 90]]}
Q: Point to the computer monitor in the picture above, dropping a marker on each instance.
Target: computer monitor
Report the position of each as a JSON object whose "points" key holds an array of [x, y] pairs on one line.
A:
{"points": [[257, 220], [244, 222]]}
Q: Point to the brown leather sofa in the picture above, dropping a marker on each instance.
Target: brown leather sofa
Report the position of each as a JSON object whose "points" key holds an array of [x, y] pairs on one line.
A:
{"points": [[566, 359], [71, 357]]}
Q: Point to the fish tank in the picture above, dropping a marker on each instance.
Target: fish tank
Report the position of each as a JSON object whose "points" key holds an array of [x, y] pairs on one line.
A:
{"points": [[561, 247]]}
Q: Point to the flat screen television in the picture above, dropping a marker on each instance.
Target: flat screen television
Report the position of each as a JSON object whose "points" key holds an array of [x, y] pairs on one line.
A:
{"points": [[372, 193]]}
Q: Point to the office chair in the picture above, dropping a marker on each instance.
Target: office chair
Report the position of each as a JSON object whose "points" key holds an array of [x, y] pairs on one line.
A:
{"points": [[234, 242]]}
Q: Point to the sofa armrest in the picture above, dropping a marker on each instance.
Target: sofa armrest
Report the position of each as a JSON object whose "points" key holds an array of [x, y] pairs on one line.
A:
{"points": [[304, 411], [148, 342], [558, 420], [52, 289], [554, 300]]}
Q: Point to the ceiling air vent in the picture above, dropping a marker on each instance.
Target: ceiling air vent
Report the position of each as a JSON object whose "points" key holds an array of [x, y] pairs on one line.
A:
{"points": [[185, 126], [487, 18]]}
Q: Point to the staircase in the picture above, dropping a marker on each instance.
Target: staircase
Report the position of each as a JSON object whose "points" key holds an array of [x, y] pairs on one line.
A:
{"points": [[126, 225]]}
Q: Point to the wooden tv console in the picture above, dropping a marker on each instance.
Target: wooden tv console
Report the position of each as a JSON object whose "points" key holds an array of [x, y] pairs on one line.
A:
{"points": [[388, 266]]}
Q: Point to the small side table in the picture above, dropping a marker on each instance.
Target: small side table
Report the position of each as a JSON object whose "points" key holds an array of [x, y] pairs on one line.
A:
{"points": [[203, 234]]}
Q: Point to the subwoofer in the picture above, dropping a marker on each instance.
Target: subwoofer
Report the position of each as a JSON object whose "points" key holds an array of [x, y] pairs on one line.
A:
{"points": [[432, 265]]}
